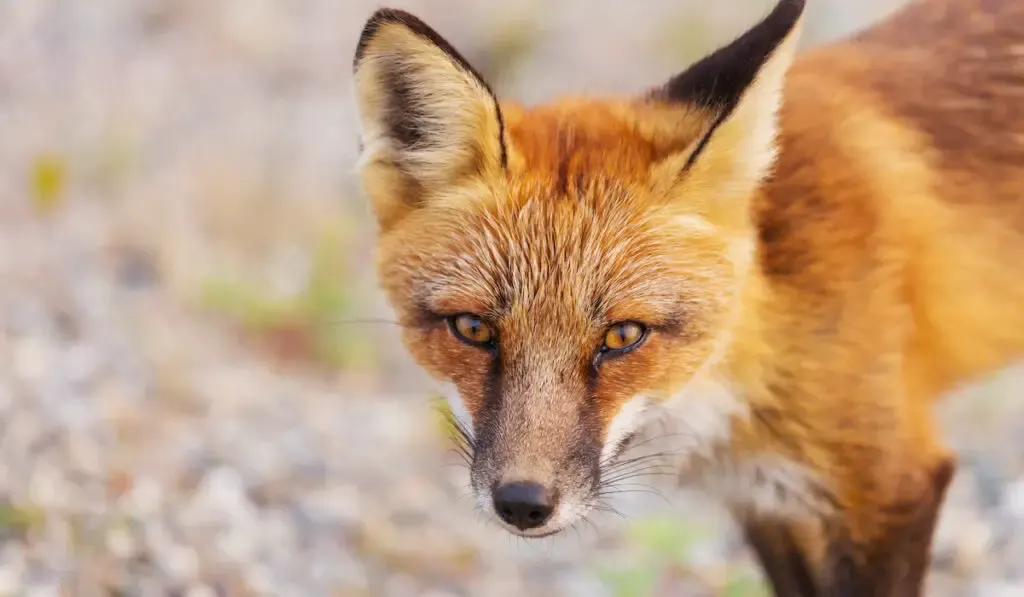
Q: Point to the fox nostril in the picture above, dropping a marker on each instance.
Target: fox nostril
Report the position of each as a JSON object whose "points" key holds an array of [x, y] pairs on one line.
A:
{"points": [[524, 505]]}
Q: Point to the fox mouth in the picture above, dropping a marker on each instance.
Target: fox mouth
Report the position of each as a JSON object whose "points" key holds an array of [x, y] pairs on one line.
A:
{"points": [[533, 533]]}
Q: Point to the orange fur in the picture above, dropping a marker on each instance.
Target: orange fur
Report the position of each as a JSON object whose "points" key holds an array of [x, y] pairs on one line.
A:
{"points": [[818, 303]]}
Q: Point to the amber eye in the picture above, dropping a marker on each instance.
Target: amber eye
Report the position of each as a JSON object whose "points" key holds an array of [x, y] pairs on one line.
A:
{"points": [[622, 336], [469, 328]]}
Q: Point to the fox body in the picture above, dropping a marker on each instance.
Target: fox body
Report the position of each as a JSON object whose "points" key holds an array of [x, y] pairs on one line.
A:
{"points": [[787, 259]]}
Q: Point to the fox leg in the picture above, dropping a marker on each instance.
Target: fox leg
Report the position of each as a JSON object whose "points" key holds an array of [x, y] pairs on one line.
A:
{"points": [[872, 551], [789, 561], [836, 559], [894, 560]]}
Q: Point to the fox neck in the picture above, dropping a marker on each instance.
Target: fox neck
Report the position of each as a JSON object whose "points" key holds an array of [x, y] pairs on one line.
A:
{"points": [[714, 426]]}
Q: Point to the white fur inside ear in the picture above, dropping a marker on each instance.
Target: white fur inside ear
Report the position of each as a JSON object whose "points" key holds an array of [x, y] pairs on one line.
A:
{"points": [[405, 82], [746, 143]]}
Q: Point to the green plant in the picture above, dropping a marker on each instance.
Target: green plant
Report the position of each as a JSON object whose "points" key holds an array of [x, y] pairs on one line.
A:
{"points": [[663, 545], [309, 325], [745, 585], [48, 182], [19, 520], [662, 542]]}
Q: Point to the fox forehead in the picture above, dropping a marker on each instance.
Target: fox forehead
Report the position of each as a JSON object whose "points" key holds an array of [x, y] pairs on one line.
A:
{"points": [[576, 220], [566, 142], [591, 254]]}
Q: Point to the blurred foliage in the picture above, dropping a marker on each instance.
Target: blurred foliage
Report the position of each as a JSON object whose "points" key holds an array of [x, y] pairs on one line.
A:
{"points": [[113, 160], [745, 586], [309, 326], [664, 546], [666, 538], [19, 520], [48, 182], [661, 542], [443, 417]]}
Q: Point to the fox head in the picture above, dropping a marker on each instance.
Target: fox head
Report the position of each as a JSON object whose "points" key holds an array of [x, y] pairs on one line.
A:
{"points": [[565, 267]]}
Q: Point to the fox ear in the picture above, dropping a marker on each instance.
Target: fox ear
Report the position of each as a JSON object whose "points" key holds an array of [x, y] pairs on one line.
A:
{"points": [[426, 116], [737, 91]]}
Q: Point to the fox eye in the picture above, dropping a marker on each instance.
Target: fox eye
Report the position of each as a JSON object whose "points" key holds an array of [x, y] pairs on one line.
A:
{"points": [[623, 336], [470, 329]]}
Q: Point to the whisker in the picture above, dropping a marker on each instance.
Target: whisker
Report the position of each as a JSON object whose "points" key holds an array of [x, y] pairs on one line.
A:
{"points": [[602, 507], [369, 320], [646, 469], [627, 464], [620, 481], [604, 493], [633, 446]]}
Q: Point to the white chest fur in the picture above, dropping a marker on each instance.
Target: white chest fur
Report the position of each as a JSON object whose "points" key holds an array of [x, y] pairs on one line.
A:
{"points": [[697, 430], [766, 485]]}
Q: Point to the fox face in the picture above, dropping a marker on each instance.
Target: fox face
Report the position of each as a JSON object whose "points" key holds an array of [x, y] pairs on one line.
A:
{"points": [[566, 269]]}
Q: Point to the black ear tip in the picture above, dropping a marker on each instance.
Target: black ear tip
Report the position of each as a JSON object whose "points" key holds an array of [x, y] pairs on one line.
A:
{"points": [[385, 16], [791, 9], [719, 79], [393, 16]]}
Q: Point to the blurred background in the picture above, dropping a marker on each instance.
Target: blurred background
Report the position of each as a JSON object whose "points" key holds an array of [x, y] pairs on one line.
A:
{"points": [[200, 394]]}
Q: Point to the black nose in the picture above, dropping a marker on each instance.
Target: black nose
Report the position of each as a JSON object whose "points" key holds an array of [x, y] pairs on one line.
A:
{"points": [[524, 505]]}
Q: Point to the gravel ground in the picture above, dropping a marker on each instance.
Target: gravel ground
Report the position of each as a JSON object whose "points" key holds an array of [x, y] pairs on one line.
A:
{"points": [[153, 442]]}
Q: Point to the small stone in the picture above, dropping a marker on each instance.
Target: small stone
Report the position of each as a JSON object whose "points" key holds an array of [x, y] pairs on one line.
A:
{"points": [[11, 571], [144, 497], [400, 585], [223, 493], [582, 586], [30, 359], [339, 503], [85, 455], [180, 563], [47, 488], [996, 588], [236, 544], [121, 543], [136, 269], [201, 591], [972, 551], [43, 589], [81, 363], [261, 579], [1013, 500], [989, 482]]}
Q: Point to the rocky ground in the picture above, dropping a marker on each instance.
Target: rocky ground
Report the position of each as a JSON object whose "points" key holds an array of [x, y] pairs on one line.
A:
{"points": [[199, 391]]}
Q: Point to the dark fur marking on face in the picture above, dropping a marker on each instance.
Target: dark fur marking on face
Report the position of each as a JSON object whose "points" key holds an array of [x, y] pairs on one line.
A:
{"points": [[493, 397], [422, 316], [400, 17], [586, 447]]}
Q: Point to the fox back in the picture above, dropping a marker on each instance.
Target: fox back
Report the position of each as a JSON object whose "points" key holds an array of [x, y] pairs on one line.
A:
{"points": [[789, 258]]}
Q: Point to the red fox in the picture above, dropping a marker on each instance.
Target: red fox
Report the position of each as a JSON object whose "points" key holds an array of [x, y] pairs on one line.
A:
{"points": [[791, 258]]}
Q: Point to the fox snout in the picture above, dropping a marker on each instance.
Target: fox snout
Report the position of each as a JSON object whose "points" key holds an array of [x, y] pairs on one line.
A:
{"points": [[535, 460]]}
